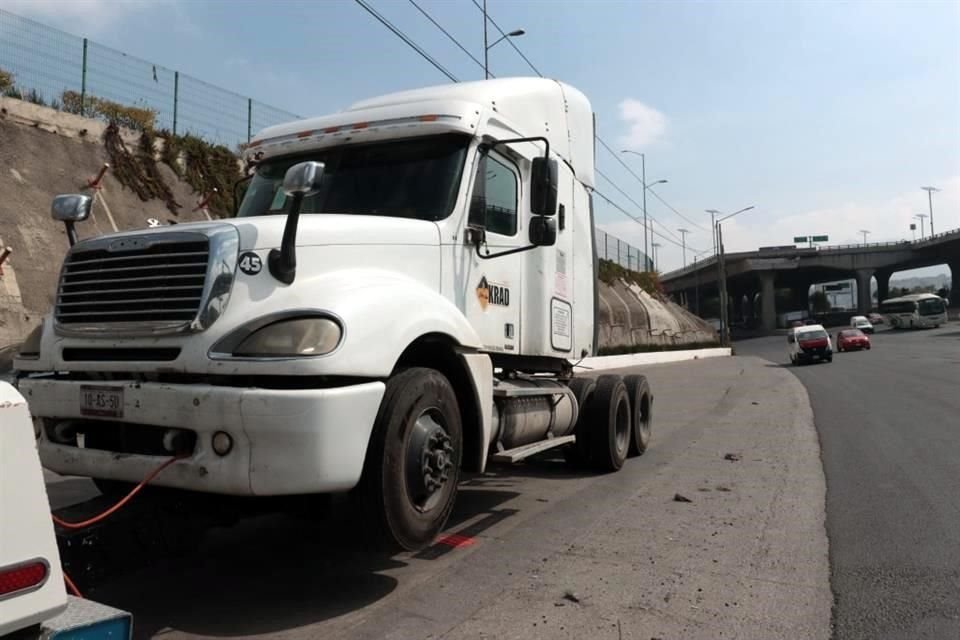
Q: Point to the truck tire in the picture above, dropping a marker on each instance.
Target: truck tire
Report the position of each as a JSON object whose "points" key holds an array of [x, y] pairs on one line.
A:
{"points": [[410, 474], [641, 405], [608, 421], [578, 453]]}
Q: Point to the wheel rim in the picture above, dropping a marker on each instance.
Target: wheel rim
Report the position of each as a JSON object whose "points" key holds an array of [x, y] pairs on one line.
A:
{"points": [[429, 460], [622, 425]]}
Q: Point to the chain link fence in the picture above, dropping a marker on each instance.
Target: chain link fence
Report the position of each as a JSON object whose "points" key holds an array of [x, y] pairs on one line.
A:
{"points": [[626, 255], [67, 72]]}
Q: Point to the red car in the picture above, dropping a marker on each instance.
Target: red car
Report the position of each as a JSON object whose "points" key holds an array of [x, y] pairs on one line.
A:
{"points": [[852, 339]]}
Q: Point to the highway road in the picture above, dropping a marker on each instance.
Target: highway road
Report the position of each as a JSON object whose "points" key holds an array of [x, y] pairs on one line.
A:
{"points": [[889, 427], [542, 551]]}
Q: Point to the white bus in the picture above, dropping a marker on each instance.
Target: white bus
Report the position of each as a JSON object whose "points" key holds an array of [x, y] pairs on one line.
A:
{"points": [[917, 310]]}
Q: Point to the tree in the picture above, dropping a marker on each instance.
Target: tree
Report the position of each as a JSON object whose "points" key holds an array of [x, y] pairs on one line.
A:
{"points": [[943, 292], [820, 302]]}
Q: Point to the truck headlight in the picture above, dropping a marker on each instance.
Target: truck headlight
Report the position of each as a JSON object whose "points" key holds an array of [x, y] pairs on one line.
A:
{"points": [[30, 349], [291, 337]]}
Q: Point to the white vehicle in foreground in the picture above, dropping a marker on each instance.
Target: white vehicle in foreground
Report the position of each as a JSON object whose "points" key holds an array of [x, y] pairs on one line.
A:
{"points": [[33, 599], [403, 293], [915, 311], [809, 343]]}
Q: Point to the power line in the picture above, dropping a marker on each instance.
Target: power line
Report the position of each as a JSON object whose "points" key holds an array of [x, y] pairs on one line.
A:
{"points": [[640, 180], [509, 40], [639, 220], [680, 215], [413, 45], [447, 33], [634, 202]]}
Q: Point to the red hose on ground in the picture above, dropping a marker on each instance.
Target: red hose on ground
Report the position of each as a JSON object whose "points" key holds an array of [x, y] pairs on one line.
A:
{"points": [[98, 518]]}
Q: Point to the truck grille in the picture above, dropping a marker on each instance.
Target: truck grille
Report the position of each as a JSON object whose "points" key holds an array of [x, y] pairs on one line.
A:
{"points": [[150, 283]]}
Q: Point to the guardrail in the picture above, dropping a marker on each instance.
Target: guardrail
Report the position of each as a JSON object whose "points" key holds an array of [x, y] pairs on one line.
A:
{"points": [[896, 244]]}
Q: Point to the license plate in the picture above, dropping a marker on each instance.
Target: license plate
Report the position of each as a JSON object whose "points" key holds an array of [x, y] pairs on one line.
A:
{"points": [[104, 402]]}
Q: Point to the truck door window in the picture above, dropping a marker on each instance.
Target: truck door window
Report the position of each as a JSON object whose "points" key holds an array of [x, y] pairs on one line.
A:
{"points": [[494, 199]]}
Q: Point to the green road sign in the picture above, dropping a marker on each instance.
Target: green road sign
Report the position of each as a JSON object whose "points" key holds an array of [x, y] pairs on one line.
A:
{"points": [[800, 238], [820, 238]]}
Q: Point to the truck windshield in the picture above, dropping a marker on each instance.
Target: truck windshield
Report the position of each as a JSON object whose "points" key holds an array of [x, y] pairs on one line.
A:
{"points": [[415, 178]]}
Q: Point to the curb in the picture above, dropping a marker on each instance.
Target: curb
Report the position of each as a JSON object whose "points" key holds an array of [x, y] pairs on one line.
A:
{"points": [[660, 357]]}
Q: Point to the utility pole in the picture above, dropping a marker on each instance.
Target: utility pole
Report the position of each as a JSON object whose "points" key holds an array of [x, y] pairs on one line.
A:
{"points": [[655, 246], [683, 243], [721, 265], [930, 191]]}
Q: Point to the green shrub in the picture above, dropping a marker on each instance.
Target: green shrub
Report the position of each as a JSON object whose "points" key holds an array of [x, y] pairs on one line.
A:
{"points": [[6, 80], [136, 118], [609, 272]]}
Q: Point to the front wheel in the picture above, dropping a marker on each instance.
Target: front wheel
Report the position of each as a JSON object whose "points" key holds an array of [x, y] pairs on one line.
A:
{"points": [[410, 475]]}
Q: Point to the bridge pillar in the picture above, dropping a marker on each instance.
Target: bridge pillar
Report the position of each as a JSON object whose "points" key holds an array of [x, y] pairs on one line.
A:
{"points": [[954, 283], [768, 308], [800, 298], [863, 290], [883, 285]]}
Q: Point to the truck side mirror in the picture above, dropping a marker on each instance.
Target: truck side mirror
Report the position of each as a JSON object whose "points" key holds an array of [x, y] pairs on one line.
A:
{"points": [[301, 180], [70, 209], [543, 187], [543, 231]]}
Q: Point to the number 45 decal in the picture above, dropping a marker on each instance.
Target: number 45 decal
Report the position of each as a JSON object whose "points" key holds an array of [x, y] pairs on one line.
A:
{"points": [[250, 263]]}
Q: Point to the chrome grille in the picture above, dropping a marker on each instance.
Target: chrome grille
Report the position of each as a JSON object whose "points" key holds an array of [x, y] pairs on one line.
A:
{"points": [[153, 282]]}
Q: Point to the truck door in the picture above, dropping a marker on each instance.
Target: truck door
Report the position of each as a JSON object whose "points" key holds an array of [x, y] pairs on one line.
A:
{"points": [[493, 287]]}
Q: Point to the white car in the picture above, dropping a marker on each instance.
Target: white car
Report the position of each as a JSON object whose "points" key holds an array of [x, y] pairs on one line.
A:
{"points": [[862, 323], [809, 343]]}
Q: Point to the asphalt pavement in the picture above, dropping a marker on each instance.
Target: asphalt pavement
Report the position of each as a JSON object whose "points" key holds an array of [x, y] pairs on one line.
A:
{"points": [[716, 531], [889, 427]]}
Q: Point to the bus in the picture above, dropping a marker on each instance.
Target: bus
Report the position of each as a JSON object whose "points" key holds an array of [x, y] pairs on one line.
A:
{"points": [[918, 310]]}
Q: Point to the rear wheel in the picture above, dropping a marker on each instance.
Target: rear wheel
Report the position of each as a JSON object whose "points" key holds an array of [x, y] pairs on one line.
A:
{"points": [[410, 475], [578, 453], [641, 405], [608, 417]]}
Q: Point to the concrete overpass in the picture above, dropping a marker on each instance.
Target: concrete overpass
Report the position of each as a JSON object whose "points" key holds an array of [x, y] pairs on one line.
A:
{"points": [[762, 272]]}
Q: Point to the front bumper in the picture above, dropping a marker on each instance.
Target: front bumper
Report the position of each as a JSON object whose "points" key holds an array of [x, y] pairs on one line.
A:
{"points": [[284, 441]]}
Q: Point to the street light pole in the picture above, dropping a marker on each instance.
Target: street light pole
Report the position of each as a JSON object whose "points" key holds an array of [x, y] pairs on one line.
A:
{"points": [[921, 217], [683, 243], [486, 48], [643, 182], [722, 274], [930, 191], [864, 232]]}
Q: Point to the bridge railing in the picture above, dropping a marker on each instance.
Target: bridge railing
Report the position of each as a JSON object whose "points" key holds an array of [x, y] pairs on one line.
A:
{"points": [[760, 253]]}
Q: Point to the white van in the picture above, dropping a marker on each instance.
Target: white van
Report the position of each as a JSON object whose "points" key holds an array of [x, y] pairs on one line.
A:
{"points": [[809, 343], [861, 322]]}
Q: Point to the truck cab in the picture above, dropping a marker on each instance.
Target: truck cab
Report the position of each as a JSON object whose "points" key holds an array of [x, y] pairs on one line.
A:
{"points": [[402, 293]]}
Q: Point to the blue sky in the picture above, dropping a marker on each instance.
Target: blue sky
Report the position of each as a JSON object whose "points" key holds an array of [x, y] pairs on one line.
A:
{"points": [[827, 116]]}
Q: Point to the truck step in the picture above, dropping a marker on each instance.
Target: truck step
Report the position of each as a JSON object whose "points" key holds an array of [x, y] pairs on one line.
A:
{"points": [[527, 450]]}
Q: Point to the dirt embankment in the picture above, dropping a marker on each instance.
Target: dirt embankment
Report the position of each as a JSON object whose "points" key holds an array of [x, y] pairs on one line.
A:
{"points": [[44, 152]]}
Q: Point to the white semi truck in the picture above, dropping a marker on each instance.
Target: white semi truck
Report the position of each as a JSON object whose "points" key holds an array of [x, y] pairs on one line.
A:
{"points": [[403, 294]]}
